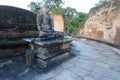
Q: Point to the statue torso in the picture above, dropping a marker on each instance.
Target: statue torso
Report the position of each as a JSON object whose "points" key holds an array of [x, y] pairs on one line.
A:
{"points": [[45, 22]]}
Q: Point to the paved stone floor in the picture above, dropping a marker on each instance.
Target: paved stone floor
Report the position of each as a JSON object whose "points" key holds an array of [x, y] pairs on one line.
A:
{"points": [[92, 61]]}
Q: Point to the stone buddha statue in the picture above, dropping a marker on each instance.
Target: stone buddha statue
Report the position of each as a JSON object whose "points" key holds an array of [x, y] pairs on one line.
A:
{"points": [[45, 20], [45, 24]]}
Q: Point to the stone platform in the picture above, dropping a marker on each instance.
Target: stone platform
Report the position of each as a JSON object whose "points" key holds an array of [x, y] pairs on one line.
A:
{"points": [[50, 52], [51, 62], [92, 61]]}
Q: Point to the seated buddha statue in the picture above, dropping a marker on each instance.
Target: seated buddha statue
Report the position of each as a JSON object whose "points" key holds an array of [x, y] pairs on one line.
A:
{"points": [[45, 25]]}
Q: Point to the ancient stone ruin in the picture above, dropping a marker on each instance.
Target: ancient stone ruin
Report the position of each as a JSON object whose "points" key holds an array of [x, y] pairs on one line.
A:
{"points": [[16, 24], [104, 23], [51, 47]]}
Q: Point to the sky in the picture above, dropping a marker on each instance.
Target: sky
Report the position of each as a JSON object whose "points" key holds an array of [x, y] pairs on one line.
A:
{"points": [[79, 5]]}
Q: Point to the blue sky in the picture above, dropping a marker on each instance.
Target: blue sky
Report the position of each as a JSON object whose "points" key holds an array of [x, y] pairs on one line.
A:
{"points": [[80, 5]]}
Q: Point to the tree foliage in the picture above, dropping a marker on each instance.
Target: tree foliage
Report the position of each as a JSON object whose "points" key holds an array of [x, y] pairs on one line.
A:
{"points": [[35, 7], [72, 18], [54, 3], [75, 22], [102, 2]]}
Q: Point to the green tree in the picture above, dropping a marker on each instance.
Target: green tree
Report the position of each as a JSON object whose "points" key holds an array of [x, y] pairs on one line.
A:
{"points": [[55, 6], [102, 2], [70, 11], [82, 19], [54, 3], [76, 22], [35, 7], [73, 19]]}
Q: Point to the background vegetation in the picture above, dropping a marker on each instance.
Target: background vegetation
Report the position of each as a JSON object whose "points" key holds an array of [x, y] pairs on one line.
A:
{"points": [[101, 2], [73, 19]]}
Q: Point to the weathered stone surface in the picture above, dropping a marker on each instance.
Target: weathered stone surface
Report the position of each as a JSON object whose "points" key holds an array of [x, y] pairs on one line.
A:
{"points": [[12, 43], [49, 48], [104, 23], [79, 71], [9, 53], [102, 59], [52, 61], [16, 22], [58, 23], [117, 36], [11, 48], [67, 75], [48, 43], [17, 35], [20, 23], [45, 56]]}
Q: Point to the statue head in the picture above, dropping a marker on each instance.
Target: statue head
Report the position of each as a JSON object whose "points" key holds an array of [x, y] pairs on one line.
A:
{"points": [[45, 9]]}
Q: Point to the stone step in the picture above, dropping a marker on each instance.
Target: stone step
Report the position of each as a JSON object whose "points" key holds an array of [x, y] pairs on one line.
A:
{"points": [[51, 54], [42, 64]]}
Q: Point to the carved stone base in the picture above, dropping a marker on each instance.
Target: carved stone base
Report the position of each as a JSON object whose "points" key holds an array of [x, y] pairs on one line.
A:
{"points": [[42, 64], [48, 35], [50, 52]]}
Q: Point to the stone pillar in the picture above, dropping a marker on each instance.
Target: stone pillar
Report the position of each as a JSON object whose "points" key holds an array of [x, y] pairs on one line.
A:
{"points": [[58, 23]]}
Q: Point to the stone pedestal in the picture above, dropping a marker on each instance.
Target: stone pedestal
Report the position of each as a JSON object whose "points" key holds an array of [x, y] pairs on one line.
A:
{"points": [[50, 52]]}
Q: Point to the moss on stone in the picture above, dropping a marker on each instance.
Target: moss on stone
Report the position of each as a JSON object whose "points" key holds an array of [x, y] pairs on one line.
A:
{"points": [[12, 43], [16, 18]]}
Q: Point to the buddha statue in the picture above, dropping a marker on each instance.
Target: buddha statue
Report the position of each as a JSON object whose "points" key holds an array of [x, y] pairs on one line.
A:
{"points": [[45, 25]]}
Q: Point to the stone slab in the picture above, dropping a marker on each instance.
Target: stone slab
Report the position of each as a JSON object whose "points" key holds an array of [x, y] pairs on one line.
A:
{"points": [[48, 42], [52, 61], [17, 70], [52, 54], [67, 75], [49, 49]]}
